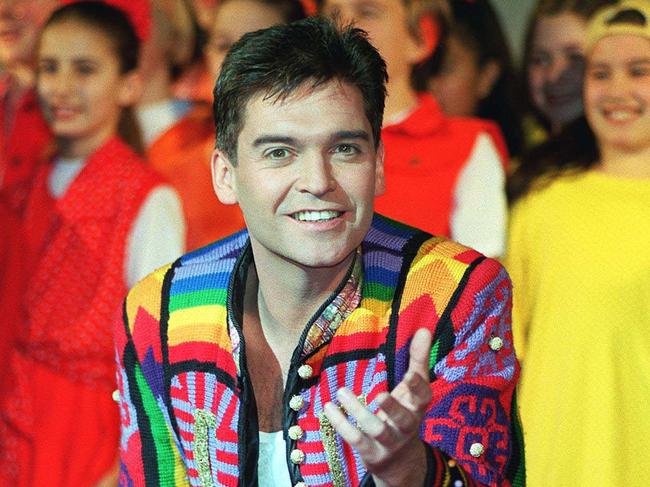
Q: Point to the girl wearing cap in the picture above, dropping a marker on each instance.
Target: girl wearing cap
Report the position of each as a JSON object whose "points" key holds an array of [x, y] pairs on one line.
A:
{"points": [[579, 260]]}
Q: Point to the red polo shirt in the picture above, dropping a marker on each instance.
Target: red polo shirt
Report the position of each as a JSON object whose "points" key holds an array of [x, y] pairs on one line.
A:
{"points": [[424, 156]]}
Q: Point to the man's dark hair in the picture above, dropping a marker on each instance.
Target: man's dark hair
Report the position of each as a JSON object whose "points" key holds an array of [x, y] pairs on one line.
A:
{"points": [[276, 61]]}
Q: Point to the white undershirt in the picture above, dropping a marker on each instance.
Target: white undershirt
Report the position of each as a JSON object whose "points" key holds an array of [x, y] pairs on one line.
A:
{"points": [[272, 470], [158, 233], [479, 215]]}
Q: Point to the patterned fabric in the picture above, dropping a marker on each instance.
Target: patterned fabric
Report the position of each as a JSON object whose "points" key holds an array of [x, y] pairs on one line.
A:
{"points": [[345, 301], [187, 413], [87, 226]]}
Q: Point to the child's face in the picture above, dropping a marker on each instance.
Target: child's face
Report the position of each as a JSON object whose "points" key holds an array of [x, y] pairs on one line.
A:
{"points": [[556, 67], [461, 83], [20, 22], [233, 19], [80, 85], [617, 93], [387, 25]]}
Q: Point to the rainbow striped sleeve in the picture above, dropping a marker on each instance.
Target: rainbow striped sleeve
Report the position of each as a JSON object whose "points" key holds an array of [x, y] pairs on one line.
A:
{"points": [[148, 452]]}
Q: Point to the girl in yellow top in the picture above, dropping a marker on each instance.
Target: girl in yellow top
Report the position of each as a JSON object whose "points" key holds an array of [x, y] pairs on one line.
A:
{"points": [[580, 263]]}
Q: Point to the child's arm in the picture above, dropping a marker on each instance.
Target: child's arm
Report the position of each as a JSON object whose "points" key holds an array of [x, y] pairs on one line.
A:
{"points": [[479, 216]]}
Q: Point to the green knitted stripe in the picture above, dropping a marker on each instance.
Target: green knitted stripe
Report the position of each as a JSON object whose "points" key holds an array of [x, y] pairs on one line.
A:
{"points": [[159, 431], [434, 354], [519, 479], [197, 298], [374, 290]]}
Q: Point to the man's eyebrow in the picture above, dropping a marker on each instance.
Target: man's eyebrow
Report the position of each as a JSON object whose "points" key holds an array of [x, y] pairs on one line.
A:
{"points": [[282, 139], [273, 139], [351, 134]]}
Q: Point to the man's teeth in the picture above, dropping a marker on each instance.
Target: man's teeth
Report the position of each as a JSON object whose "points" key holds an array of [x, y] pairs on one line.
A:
{"points": [[315, 216]]}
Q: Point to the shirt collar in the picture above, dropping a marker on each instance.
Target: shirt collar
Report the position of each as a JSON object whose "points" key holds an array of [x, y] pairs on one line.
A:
{"points": [[424, 120]]}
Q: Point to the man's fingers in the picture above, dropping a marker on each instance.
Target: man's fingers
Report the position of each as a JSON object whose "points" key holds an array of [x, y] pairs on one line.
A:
{"points": [[367, 422], [397, 416], [413, 392], [420, 351], [343, 427]]}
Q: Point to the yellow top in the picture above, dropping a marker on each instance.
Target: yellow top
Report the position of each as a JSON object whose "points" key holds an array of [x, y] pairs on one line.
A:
{"points": [[579, 258]]}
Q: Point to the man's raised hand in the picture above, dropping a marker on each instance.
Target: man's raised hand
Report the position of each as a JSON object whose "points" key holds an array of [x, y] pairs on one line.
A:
{"points": [[388, 440]]}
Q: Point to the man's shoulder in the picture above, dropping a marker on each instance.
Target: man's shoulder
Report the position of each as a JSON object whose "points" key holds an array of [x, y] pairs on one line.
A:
{"points": [[434, 257], [441, 260], [214, 258]]}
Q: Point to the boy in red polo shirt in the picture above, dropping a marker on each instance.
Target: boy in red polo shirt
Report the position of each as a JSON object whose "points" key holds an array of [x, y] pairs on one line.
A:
{"points": [[443, 174]]}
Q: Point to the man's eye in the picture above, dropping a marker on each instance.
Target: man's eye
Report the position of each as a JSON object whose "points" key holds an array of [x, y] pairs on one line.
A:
{"points": [[346, 149], [278, 154]]}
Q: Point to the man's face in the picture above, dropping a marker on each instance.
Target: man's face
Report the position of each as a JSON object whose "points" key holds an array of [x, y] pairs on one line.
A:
{"points": [[20, 23], [306, 175]]}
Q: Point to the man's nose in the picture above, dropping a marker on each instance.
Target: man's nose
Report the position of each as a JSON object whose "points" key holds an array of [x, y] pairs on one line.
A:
{"points": [[316, 175]]}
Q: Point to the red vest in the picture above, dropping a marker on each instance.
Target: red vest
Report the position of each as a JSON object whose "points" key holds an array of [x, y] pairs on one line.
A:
{"points": [[23, 147], [424, 156], [77, 246]]}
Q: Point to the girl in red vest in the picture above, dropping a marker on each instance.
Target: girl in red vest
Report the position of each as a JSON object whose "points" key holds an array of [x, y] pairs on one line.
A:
{"points": [[96, 221]]}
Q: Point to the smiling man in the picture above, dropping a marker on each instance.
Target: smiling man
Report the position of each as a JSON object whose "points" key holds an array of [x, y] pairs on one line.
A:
{"points": [[325, 345]]}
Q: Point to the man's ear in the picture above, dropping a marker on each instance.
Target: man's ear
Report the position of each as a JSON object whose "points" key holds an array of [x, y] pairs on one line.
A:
{"points": [[130, 89], [380, 182], [428, 38], [223, 178]]}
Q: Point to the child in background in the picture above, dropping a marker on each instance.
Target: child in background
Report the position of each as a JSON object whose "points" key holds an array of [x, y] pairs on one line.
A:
{"points": [[195, 82], [234, 18], [554, 61], [179, 134], [443, 174], [475, 77], [24, 136], [96, 221], [579, 261]]}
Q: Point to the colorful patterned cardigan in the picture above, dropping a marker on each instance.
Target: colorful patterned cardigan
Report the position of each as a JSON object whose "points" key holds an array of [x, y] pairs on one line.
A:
{"points": [[187, 414]]}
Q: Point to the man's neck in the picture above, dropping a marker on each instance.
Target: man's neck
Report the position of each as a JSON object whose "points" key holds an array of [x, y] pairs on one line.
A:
{"points": [[289, 294]]}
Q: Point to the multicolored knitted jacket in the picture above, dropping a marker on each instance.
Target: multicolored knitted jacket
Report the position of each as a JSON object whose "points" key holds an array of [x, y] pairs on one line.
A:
{"points": [[188, 415]]}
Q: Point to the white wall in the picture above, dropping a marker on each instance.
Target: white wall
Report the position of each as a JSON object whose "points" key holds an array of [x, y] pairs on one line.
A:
{"points": [[514, 16]]}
